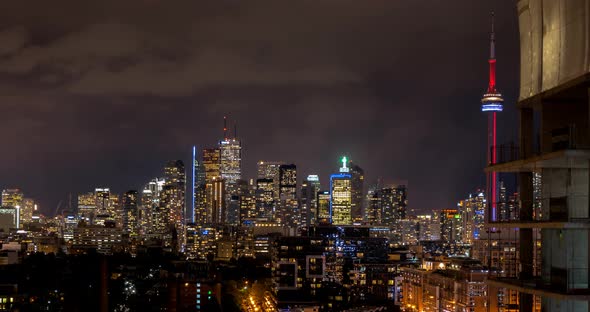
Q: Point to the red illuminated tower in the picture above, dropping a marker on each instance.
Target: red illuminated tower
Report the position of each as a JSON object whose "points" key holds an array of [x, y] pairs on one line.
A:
{"points": [[491, 104]]}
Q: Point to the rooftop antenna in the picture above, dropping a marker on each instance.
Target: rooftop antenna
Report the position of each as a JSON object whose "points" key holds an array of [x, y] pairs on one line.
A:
{"points": [[492, 60], [235, 130], [225, 128]]}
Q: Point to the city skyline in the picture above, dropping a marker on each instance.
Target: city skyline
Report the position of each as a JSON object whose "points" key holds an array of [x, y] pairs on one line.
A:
{"points": [[309, 155], [81, 129]]}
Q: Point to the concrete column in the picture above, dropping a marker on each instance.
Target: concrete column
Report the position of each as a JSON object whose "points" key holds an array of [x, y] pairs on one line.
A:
{"points": [[526, 243]]}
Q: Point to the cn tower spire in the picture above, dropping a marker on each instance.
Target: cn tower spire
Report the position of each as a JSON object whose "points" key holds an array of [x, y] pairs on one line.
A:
{"points": [[492, 40], [492, 60]]}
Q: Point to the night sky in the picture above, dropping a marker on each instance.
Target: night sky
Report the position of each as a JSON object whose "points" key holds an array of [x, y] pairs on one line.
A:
{"points": [[103, 93]]}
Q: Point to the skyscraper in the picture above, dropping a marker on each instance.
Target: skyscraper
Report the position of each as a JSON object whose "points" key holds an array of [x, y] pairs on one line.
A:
{"points": [[12, 198], [451, 226], [195, 166], [150, 219], [308, 205], [472, 210], [230, 160], [212, 163], [87, 207], [387, 205], [130, 213], [27, 209], [341, 196], [373, 210], [9, 218], [270, 170], [358, 190], [248, 202], [201, 210], [265, 198], [230, 151], [324, 212], [288, 207], [106, 206], [199, 184], [102, 199], [216, 200], [172, 201]]}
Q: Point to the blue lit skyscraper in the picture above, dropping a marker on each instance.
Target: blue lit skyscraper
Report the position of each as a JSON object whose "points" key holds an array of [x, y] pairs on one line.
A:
{"points": [[341, 195]]}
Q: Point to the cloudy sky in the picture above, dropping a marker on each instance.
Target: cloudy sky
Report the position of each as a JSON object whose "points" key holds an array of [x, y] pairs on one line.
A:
{"points": [[103, 93]]}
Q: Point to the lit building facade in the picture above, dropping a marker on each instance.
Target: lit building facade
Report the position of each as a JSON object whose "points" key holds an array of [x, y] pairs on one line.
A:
{"points": [[172, 202], [357, 183], [105, 240], [130, 213], [9, 218], [248, 201], [87, 207], [230, 165], [215, 193], [324, 212], [271, 170], [387, 205], [428, 227], [451, 226], [230, 150], [289, 206], [150, 221], [308, 206], [265, 199], [212, 163], [458, 284], [472, 210], [27, 210], [12, 198], [341, 198]]}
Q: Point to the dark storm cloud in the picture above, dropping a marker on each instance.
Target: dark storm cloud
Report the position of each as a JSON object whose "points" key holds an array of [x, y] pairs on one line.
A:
{"points": [[103, 92]]}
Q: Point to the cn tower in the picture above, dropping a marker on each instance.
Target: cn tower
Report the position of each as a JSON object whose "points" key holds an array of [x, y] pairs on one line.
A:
{"points": [[491, 104]]}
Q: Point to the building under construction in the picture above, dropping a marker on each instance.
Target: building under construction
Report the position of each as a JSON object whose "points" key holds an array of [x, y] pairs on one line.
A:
{"points": [[554, 147]]}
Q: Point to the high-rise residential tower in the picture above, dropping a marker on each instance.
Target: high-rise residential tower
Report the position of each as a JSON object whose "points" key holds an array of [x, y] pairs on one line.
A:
{"points": [[387, 205], [472, 210], [554, 140]]}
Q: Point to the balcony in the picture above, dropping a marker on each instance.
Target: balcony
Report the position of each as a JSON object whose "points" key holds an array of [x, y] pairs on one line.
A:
{"points": [[556, 212], [557, 148], [568, 284]]}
